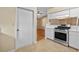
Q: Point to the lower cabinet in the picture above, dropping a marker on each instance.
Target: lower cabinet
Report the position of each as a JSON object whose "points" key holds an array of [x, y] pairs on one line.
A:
{"points": [[49, 33], [74, 39]]}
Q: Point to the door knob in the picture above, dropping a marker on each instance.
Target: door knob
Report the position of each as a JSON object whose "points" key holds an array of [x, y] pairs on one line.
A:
{"points": [[17, 29]]}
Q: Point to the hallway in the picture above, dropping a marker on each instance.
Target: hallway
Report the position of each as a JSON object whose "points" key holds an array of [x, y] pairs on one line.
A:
{"points": [[40, 34]]}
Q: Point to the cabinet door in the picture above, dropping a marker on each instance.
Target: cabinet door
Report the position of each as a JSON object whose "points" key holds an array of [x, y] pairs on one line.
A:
{"points": [[49, 33], [62, 13], [74, 39], [74, 12], [58, 14], [46, 32], [50, 16], [52, 33]]}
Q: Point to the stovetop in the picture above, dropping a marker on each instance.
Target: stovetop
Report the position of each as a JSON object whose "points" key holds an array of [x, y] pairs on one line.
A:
{"points": [[62, 27]]}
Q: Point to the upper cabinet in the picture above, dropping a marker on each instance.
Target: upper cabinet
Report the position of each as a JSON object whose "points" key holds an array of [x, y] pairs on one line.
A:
{"points": [[68, 16], [58, 14], [62, 13], [50, 16], [74, 12]]}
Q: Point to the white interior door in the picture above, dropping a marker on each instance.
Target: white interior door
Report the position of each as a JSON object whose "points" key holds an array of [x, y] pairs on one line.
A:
{"points": [[25, 27]]}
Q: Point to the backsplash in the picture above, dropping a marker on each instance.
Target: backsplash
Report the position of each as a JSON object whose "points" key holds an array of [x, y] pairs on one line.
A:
{"points": [[69, 20]]}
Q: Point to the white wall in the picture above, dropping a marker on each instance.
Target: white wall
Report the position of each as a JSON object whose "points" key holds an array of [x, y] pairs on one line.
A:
{"points": [[45, 21]]}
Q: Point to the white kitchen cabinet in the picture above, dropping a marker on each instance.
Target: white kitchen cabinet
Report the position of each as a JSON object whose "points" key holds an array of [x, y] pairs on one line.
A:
{"points": [[50, 16], [74, 39], [74, 12], [58, 14], [49, 33], [62, 13]]}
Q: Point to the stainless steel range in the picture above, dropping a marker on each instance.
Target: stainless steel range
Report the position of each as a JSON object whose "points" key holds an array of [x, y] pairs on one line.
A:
{"points": [[61, 34]]}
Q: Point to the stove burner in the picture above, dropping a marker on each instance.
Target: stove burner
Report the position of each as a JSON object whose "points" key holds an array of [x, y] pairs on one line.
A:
{"points": [[62, 27]]}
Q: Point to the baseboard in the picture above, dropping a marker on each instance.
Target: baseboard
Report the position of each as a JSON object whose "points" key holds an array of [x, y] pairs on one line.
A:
{"points": [[14, 50]]}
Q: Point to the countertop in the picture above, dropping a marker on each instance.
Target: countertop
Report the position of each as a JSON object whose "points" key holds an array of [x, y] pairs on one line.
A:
{"points": [[51, 26], [73, 28]]}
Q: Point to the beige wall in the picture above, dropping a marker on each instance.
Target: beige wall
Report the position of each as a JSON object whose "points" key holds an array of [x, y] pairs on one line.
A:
{"points": [[44, 21], [7, 43], [41, 22], [7, 20], [7, 26]]}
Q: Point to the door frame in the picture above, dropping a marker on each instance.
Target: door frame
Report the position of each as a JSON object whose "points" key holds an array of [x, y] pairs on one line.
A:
{"points": [[18, 24]]}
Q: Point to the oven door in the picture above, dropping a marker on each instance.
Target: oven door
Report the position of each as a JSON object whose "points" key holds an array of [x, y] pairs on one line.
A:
{"points": [[61, 36]]}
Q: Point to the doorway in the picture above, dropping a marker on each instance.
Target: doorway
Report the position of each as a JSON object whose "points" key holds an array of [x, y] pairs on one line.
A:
{"points": [[40, 28], [41, 22]]}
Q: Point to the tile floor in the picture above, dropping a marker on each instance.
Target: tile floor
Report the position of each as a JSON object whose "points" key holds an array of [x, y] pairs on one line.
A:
{"points": [[46, 46]]}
